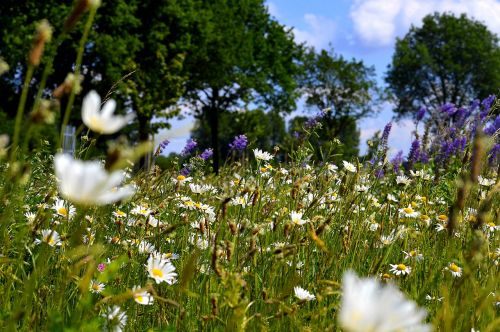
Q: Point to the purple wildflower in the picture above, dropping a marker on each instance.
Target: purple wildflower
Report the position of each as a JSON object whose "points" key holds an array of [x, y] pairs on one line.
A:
{"points": [[190, 146], [397, 161], [207, 154], [474, 104], [424, 157], [313, 122], [414, 154], [421, 113], [494, 154], [487, 102], [493, 127], [185, 171], [101, 267], [385, 134], [239, 143], [379, 173], [449, 109], [162, 147], [296, 134]]}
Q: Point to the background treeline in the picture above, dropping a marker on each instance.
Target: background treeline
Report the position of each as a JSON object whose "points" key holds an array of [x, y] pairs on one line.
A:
{"points": [[236, 69]]}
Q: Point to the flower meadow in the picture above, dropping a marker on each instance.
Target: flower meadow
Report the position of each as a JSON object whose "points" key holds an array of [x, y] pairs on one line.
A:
{"points": [[408, 241]]}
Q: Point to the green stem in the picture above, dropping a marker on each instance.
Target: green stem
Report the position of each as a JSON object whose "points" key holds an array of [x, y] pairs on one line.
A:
{"points": [[78, 64], [20, 111]]}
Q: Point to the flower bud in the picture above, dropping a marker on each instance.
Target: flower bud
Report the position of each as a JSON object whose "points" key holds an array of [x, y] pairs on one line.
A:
{"points": [[43, 35]]}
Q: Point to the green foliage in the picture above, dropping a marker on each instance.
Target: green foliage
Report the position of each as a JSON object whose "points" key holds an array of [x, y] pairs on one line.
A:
{"points": [[448, 59], [242, 55]]}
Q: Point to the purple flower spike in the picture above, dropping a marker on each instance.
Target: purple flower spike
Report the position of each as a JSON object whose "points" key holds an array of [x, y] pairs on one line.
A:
{"points": [[207, 154], [190, 146], [239, 143], [421, 113]]}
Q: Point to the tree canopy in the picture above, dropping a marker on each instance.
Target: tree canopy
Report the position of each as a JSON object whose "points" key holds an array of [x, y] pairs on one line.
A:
{"points": [[448, 59]]}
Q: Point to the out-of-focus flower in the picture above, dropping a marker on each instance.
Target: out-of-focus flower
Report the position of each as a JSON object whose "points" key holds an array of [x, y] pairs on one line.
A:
{"points": [[161, 270], [50, 237], [368, 306], [349, 167], [262, 155], [142, 297], [207, 154], [87, 183], [116, 319], [190, 146], [102, 121], [239, 143]]}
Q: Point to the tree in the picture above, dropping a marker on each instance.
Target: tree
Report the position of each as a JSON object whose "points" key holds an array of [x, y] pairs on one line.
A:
{"points": [[348, 89], [242, 55], [144, 42], [448, 60]]}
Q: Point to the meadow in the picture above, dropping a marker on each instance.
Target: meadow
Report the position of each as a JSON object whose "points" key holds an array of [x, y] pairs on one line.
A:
{"points": [[393, 243]]}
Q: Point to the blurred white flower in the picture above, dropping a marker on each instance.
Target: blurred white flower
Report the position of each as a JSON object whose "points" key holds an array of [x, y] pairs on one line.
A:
{"points": [[262, 155], [87, 183], [368, 306], [349, 167], [102, 121]]}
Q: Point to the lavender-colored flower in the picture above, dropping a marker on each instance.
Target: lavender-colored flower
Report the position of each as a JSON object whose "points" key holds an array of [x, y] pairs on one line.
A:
{"points": [[239, 143], [190, 146], [421, 113], [493, 127], [414, 154], [397, 161], [487, 102], [494, 154], [379, 173], [424, 157], [296, 134], [185, 171], [474, 105], [313, 122], [162, 147], [385, 134], [207, 154], [449, 109]]}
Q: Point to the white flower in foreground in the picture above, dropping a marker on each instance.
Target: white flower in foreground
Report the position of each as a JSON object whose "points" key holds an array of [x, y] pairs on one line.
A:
{"points": [[88, 183], [349, 167], [262, 155], [142, 297], [102, 121], [367, 305], [117, 319], [303, 294], [161, 270]]}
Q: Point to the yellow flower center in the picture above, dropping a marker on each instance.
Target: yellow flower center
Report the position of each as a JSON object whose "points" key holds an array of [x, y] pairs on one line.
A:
{"points": [[139, 298], [188, 203], [51, 241], [95, 123], [413, 204], [408, 210], [443, 217], [197, 205], [62, 211], [424, 217], [401, 267], [181, 178], [167, 255], [386, 276], [263, 169], [423, 198], [120, 213], [157, 273], [413, 253], [454, 267], [491, 224], [95, 286]]}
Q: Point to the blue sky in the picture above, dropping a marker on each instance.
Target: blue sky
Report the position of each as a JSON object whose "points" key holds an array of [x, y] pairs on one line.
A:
{"points": [[365, 30]]}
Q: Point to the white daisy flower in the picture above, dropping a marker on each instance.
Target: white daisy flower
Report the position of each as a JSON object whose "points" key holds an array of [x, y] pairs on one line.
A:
{"points": [[368, 306], [408, 212], [401, 179], [161, 270], [141, 210], [297, 218], [102, 121], [303, 294], [96, 287], [88, 183], [142, 296], [400, 269], [413, 254], [64, 210], [349, 167], [455, 270], [116, 319], [262, 155], [50, 237]]}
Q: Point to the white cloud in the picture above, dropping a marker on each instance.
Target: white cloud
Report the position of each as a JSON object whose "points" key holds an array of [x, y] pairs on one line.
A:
{"points": [[379, 22], [319, 31]]}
